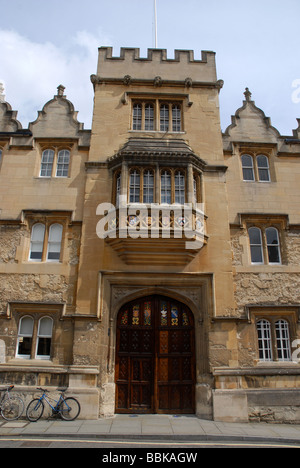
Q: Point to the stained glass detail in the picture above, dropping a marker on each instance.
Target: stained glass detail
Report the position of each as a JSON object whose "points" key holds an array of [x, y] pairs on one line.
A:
{"points": [[124, 318], [174, 315], [163, 313], [147, 313], [136, 314], [185, 319]]}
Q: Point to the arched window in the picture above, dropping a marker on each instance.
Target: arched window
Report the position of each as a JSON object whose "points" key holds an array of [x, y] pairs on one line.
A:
{"points": [[273, 245], [37, 242], [164, 118], [148, 186], [165, 187], [255, 245], [179, 187], [63, 161], [149, 117], [47, 163], [283, 340], [248, 169], [176, 118], [264, 340], [263, 168], [44, 338], [134, 186], [137, 117], [25, 333], [54, 242]]}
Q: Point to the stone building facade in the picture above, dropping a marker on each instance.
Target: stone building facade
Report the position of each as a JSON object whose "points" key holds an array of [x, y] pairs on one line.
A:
{"points": [[151, 264]]}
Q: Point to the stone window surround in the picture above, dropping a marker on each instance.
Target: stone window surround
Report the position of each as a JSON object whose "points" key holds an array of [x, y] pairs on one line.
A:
{"points": [[289, 313], [255, 166], [46, 242], [264, 244], [36, 310], [48, 218], [35, 337], [56, 146], [263, 221]]}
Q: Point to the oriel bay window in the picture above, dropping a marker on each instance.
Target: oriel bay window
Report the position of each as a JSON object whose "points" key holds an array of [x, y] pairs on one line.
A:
{"points": [[146, 187], [156, 185], [157, 115]]}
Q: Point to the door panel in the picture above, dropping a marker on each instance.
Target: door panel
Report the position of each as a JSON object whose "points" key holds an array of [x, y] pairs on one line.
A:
{"points": [[155, 357]]}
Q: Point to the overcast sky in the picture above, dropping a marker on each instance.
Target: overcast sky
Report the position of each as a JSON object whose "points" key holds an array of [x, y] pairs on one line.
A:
{"points": [[46, 43]]}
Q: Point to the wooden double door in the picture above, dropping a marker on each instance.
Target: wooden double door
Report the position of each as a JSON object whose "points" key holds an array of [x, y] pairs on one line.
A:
{"points": [[155, 357]]}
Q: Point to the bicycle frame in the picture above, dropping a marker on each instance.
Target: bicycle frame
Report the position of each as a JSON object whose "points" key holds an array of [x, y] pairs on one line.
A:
{"points": [[2, 398], [56, 408], [58, 402], [5, 393]]}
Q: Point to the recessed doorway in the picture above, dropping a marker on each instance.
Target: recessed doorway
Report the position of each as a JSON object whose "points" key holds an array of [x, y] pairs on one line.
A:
{"points": [[155, 357]]}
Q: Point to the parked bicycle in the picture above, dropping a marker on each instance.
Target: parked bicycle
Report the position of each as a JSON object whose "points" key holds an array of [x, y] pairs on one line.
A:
{"points": [[11, 405], [68, 408]]}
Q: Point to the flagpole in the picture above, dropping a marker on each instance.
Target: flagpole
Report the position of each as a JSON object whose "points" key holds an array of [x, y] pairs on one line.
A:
{"points": [[155, 23]]}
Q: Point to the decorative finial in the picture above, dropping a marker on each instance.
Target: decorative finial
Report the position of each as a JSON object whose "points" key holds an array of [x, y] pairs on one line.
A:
{"points": [[2, 95], [247, 94], [60, 90]]}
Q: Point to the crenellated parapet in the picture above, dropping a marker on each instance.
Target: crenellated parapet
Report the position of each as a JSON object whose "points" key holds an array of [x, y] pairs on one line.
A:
{"points": [[156, 68]]}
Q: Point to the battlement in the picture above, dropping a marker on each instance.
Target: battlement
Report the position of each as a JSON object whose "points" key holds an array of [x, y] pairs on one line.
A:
{"points": [[182, 66]]}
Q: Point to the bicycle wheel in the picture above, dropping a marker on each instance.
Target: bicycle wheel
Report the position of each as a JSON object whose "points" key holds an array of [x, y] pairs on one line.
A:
{"points": [[35, 410], [69, 409], [12, 407]]}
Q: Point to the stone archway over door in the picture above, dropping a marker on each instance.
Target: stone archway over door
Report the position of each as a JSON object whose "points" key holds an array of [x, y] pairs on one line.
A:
{"points": [[155, 357]]}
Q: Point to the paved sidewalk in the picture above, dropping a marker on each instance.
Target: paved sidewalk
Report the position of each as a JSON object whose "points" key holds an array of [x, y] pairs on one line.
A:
{"points": [[153, 427]]}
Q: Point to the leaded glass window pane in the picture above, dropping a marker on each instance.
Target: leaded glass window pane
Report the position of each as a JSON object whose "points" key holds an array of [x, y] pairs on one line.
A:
{"points": [[164, 118], [163, 313], [179, 188], [137, 117], [134, 189], [283, 340], [148, 187], [264, 340], [176, 118], [149, 117], [166, 187]]}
